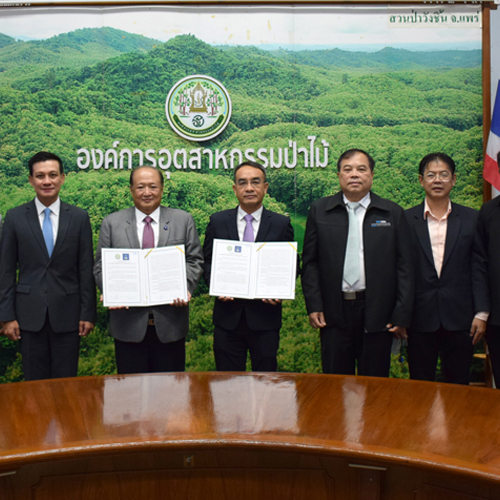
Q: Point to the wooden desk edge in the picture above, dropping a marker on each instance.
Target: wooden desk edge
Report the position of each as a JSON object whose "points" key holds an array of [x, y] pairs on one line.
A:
{"points": [[373, 456]]}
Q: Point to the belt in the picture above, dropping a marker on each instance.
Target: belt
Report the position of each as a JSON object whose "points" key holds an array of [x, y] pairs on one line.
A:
{"points": [[151, 320], [354, 295]]}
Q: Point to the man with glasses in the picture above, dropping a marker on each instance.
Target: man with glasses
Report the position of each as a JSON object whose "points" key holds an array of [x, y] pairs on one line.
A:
{"points": [[246, 325], [451, 301]]}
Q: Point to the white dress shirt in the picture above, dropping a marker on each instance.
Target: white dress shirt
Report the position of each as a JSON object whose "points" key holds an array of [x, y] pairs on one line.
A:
{"points": [[155, 224], [55, 209], [242, 223]]}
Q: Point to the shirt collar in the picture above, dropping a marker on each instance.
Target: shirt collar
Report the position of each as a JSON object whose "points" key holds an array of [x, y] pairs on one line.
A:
{"points": [[364, 202], [155, 215], [54, 208], [428, 211], [256, 215]]}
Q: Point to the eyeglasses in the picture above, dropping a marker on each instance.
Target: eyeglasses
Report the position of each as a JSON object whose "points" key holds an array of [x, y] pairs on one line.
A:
{"points": [[254, 182], [445, 176]]}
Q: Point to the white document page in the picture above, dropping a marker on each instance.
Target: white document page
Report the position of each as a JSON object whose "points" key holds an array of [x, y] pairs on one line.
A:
{"points": [[231, 262], [143, 277], [121, 277], [260, 270], [276, 270], [166, 268]]}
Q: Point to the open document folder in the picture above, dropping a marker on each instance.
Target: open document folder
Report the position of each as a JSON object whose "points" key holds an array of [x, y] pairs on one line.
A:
{"points": [[150, 277], [260, 270]]}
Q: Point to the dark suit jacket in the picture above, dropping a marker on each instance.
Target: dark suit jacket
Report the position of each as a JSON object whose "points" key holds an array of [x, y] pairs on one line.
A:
{"points": [[260, 316], [61, 285], [488, 240], [177, 227], [457, 295], [388, 262]]}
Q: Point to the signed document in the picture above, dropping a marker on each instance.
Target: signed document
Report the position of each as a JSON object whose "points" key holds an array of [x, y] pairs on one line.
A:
{"points": [[260, 270], [137, 278]]}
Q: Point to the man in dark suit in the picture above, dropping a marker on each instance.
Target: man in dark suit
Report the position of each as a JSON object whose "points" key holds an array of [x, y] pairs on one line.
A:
{"points": [[451, 301], [246, 325], [488, 240], [51, 304], [150, 339], [357, 273]]}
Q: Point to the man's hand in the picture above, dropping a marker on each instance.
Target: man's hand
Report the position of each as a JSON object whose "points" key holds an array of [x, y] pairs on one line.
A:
{"points": [[11, 330], [226, 299], [85, 327], [273, 302], [399, 332], [180, 302], [477, 330], [317, 320]]}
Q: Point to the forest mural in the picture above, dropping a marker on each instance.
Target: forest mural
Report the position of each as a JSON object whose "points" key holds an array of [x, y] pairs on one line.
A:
{"points": [[94, 92]]}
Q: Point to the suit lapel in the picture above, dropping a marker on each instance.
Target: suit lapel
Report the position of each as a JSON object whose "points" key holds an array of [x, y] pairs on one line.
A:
{"points": [[34, 224], [64, 219], [265, 224], [164, 227], [452, 232], [232, 228], [131, 229], [422, 230]]}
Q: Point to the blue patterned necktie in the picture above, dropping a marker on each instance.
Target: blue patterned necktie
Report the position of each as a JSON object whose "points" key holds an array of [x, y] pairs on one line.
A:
{"points": [[48, 234]]}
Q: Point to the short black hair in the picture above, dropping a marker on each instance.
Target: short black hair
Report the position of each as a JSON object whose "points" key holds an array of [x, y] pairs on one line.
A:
{"points": [[145, 166], [436, 157], [250, 163], [42, 156], [351, 152]]}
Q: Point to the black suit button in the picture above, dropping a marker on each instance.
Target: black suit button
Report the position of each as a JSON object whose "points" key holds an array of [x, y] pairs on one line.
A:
{"points": [[45, 292]]}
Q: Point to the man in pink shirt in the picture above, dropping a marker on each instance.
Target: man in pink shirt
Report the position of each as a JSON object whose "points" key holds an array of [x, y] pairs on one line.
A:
{"points": [[451, 299]]}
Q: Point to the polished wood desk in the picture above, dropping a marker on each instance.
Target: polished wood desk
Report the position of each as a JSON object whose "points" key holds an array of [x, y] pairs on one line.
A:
{"points": [[248, 436]]}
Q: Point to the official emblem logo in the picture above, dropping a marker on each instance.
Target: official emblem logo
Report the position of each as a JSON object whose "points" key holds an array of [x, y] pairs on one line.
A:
{"points": [[198, 108]]}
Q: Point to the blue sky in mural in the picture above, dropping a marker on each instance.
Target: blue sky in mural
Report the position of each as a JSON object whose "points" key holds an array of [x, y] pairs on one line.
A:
{"points": [[268, 27]]}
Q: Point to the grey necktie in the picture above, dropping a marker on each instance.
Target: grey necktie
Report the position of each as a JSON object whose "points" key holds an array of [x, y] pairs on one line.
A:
{"points": [[351, 264]]}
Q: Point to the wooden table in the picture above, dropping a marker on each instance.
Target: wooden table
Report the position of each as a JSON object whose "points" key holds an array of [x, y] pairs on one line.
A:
{"points": [[248, 436]]}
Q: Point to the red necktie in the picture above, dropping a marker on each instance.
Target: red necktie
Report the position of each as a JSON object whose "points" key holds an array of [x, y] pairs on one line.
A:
{"points": [[148, 236]]}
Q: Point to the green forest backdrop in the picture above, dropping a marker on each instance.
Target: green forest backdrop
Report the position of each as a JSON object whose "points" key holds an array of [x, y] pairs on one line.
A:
{"points": [[91, 87]]}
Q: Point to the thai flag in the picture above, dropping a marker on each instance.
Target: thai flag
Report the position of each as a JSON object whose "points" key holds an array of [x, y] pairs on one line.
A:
{"points": [[490, 171]]}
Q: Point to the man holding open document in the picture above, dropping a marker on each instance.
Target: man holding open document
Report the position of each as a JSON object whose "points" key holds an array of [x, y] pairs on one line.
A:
{"points": [[148, 277], [245, 324]]}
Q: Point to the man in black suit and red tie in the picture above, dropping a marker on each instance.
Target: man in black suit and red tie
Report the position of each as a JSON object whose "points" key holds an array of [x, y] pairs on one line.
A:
{"points": [[51, 303], [357, 273], [246, 325], [451, 299]]}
